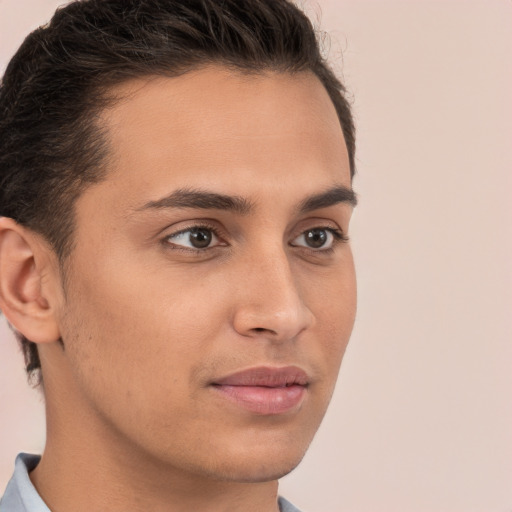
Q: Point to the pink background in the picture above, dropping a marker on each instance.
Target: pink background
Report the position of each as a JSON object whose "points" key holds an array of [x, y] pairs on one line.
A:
{"points": [[422, 417]]}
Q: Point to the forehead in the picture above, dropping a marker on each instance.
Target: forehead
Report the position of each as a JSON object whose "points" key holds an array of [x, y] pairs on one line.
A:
{"points": [[224, 129]]}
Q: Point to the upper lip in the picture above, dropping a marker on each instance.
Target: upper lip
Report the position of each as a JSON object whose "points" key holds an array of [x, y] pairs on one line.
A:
{"points": [[266, 376]]}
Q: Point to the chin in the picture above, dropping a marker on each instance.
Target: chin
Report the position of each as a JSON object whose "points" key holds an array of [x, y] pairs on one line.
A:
{"points": [[257, 473], [258, 466]]}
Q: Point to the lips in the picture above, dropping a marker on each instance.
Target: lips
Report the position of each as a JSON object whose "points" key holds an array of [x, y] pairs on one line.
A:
{"points": [[265, 390]]}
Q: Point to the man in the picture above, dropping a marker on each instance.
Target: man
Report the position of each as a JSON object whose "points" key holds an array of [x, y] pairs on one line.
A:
{"points": [[175, 202]]}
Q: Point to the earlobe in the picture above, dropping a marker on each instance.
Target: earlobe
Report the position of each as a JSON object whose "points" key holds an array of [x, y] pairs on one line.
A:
{"points": [[28, 305]]}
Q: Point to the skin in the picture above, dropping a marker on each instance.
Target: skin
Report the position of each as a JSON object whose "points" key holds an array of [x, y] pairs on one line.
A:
{"points": [[148, 323]]}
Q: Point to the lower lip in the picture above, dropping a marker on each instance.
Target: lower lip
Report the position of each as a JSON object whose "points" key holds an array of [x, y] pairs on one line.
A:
{"points": [[264, 400]]}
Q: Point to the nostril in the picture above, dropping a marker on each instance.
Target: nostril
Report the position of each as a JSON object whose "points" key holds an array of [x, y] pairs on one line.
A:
{"points": [[263, 330]]}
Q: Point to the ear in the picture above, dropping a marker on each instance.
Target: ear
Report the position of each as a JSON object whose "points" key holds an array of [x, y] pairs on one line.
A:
{"points": [[28, 282]]}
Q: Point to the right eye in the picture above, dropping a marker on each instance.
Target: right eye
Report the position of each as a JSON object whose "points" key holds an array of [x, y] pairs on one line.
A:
{"points": [[198, 237]]}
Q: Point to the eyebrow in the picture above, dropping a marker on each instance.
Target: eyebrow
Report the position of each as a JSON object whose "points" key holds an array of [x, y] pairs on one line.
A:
{"points": [[192, 198], [331, 197], [201, 199]]}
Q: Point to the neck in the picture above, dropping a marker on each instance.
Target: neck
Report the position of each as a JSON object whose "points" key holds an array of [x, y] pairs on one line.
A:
{"points": [[84, 485], [77, 473], [87, 466]]}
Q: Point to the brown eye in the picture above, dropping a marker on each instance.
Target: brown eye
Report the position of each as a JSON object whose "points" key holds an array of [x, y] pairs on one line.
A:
{"points": [[194, 238], [321, 239], [316, 238], [200, 238]]}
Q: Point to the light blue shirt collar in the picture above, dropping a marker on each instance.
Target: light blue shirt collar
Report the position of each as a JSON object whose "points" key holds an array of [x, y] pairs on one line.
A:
{"points": [[20, 495]]}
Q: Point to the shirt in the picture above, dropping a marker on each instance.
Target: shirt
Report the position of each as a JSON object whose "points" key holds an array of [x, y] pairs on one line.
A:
{"points": [[21, 496]]}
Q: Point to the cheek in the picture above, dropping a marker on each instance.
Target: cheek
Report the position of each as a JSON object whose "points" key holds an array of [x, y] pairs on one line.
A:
{"points": [[332, 294], [138, 333], [334, 304]]}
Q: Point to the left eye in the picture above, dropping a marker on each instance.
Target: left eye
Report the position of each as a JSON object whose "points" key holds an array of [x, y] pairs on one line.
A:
{"points": [[195, 238], [317, 238]]}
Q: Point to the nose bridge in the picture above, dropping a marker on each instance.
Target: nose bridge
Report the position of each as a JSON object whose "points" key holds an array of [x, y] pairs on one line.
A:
{"points": [[271, 302]]}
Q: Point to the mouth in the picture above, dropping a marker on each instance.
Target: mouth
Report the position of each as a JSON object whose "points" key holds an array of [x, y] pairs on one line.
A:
{"points": [[265, 390]]}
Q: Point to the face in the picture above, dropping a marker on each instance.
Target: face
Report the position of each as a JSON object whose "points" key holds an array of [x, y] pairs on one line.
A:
{"points": [[210, 294]]}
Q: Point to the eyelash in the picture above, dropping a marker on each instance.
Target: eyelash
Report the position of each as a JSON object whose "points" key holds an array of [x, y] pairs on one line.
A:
{"points": [[339, 238]]}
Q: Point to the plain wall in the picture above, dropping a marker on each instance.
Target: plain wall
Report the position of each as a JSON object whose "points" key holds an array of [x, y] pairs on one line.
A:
{"points": [[421, 420]]}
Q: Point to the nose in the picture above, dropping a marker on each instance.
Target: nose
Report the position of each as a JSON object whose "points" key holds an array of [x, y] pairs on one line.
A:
{"points": [[269, 303]]}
